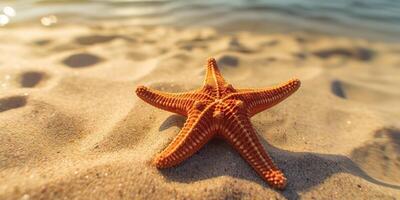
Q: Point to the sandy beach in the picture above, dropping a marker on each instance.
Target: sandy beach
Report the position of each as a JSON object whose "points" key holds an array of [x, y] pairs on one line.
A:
{"points": [[72, 126]]}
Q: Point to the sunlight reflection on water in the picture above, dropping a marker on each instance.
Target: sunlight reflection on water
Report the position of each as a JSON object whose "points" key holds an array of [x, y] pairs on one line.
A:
{"points": [[4, 20]]}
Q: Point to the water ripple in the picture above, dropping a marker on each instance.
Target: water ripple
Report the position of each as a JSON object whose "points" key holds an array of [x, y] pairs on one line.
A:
{"points": [[380, 18]]}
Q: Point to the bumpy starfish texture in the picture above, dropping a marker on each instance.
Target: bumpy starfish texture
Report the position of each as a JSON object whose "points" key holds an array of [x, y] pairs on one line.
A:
{"points": [[219, 110]]}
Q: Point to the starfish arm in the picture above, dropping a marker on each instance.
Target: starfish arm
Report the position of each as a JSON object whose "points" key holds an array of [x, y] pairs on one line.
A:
{"points": [[261, 99], [195, 133], [214, 77], [238, 131], [174, 102]]}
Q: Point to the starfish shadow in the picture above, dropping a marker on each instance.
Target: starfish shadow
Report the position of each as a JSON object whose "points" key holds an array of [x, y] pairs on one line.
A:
{"points": [[172, 120], [302, 169]]}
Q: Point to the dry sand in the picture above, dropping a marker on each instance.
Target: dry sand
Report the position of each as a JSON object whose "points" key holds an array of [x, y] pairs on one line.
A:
{"points": [[73, 128]]}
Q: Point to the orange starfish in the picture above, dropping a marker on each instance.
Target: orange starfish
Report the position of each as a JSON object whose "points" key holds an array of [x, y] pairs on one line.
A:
{"points": [[218, 109]]}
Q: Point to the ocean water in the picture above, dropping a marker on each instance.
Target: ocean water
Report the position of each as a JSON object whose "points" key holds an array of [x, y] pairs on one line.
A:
{"points": [[374, 19]]}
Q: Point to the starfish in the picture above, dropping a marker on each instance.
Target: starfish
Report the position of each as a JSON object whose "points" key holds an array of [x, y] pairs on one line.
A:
{"points": [[219, 110]]}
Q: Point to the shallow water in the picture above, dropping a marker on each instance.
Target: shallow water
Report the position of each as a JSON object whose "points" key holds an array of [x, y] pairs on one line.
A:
{"points": [[376, 19]]}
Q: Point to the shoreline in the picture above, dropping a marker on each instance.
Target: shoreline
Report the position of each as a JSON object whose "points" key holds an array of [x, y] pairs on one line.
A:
{"points": [[255, 27]]}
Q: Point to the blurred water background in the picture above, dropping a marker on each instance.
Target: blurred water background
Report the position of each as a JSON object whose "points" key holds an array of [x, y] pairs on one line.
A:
{"points": [[372, 19]]}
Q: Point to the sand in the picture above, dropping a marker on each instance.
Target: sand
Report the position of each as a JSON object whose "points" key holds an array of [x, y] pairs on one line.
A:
{"points": [[73, 128]]}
